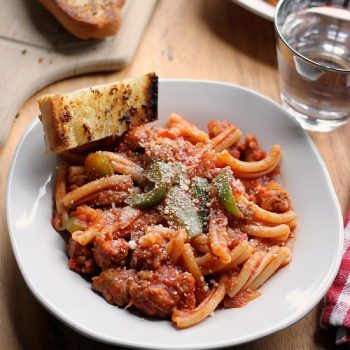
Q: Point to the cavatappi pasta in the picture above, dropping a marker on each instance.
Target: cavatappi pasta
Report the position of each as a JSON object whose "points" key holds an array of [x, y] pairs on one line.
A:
{"points": [[175, 222]]}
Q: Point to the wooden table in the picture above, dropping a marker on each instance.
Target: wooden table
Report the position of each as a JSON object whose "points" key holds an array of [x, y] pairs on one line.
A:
{"points": [[199, 39]]}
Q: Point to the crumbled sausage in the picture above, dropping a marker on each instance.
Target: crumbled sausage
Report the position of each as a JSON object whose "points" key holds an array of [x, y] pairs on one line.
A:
{"points": [[148, 258], [114, 284], [80, 258], [272, 197], [250, 151], [136, 137], [216, 127], [110, 253], [158, 293], [136, 228]]}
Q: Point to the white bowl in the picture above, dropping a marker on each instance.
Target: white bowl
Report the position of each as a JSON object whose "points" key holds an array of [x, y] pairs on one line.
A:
{"points": [[259, 7], [286, 297]]}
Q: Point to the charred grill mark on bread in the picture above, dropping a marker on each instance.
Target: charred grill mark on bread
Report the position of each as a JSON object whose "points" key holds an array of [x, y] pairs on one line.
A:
{"points": [[73, 119], [87, 18]]}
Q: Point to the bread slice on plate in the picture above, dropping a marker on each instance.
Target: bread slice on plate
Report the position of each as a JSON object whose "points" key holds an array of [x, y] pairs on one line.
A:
{"points": [[87, 18], [76, 118]]}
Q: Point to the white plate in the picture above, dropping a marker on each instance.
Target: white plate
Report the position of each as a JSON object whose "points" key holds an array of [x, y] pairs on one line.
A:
{"points": [[259, 7], [289, 295]]}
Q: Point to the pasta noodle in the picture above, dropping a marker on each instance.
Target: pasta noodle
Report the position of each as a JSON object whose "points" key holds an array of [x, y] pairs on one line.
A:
{"points": [[281, 255], [278, 232], [230, 139], [264, 262], [85, 237], [175, 222], [76, 175], [60, 215], [94, 186], [124, 166], [190, 264], [238, 166], [268, 216], [227, 137], [200, 243], [189, 130], [218, 244], [176, 246], [244, 274], [238, 255], [188, 318]]}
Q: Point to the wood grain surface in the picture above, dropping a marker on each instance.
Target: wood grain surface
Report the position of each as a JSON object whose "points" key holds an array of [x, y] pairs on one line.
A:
{"points": [[36, 51], [200, 39]]}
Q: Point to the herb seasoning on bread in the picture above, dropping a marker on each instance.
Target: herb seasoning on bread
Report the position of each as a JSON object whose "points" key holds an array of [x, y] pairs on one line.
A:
{"points": [[87, 19], [74, 119]]}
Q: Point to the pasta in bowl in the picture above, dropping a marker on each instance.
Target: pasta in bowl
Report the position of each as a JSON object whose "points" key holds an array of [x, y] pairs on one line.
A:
{"points": [[287, 296], [175, 221]]}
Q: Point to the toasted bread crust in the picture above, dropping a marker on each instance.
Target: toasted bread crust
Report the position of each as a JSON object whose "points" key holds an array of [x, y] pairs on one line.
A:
{"points": [[73, 119], [88, 18]]}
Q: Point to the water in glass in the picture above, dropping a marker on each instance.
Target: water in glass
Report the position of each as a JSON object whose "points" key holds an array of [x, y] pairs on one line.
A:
{"points": [[316, 81]]}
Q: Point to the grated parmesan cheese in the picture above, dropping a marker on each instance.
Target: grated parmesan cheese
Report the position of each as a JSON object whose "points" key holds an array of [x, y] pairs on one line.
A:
{"points": [[132, 244]]}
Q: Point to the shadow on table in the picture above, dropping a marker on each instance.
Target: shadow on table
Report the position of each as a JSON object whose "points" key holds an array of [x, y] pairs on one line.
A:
{"points": [[247, 32], [32, 326], [26, 321]]}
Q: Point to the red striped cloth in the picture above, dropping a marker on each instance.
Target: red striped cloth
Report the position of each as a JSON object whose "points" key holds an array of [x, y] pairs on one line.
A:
{"points": [[336, 311]]}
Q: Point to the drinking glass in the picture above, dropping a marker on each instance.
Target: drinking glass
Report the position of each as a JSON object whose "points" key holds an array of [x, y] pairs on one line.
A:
{"points": [[313, 51]]}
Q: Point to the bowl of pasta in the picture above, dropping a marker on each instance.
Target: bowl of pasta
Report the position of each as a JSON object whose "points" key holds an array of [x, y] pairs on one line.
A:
{"points": [[222, 207]]}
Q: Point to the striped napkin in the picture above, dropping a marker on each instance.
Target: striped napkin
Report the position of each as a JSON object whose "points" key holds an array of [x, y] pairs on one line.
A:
{"points": [[336, 311]]}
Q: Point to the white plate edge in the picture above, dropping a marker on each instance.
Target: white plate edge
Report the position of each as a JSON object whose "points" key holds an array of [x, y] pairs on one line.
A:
{"points": [[265, 10], [320, 292]]}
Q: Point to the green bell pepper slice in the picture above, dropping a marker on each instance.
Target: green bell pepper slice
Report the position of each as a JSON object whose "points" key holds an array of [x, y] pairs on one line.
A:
{"points": [[200, 192], [73, 224], [149, 199], [161, 174], [222, 183], [183, 212]]}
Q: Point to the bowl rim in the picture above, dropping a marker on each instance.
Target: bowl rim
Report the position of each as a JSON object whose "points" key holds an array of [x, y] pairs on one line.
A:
{"points": [[317, 296], [258, 7]]}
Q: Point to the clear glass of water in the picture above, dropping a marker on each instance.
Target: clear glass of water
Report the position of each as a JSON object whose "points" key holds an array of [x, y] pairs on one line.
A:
{"points": [[313, 50]]}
